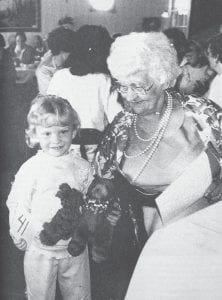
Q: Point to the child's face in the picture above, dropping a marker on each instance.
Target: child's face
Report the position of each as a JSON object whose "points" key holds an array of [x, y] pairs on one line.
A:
{"points": [[55, 140]]}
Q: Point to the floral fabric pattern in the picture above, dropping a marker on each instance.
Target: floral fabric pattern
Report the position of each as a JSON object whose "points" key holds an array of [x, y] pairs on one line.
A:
{"points": [[207, 116]]}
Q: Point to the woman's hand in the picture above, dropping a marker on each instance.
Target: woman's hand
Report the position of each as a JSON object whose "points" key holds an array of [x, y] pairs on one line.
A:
{"points": [[214, 192], [113, 217]]}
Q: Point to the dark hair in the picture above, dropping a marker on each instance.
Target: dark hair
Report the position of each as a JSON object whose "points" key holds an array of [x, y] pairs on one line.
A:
{"points": [[66, 20], [61, 39], [194, 45], [22, 34], [214, 44], [2, 41], [179, 41], [151, 24], [93, 44], [39, 38]]}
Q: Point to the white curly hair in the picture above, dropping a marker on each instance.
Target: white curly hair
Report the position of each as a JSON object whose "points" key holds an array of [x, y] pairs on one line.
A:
{"points": [[148, 52]]}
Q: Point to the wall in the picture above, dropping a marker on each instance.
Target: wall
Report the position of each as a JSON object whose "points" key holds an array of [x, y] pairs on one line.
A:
{"points": [[127, 16]]}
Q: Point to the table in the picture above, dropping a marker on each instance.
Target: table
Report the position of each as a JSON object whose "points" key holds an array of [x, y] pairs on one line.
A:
{"points": [[25, 73]]}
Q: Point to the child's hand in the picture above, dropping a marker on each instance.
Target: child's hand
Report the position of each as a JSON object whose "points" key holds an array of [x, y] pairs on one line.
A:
{"points": [[20, 243]]}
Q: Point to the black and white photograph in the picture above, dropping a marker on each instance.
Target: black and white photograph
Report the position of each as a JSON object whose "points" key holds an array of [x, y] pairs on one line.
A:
{"points": [[111, 149]]}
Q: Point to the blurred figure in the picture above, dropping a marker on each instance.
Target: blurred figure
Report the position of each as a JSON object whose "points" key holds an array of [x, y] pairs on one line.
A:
{"points": [[214, 55], [60, 43], [39, 47], [67, 22], [178, 41], [23, 53], [7, 69], [11, 43], [151, 24], [196, 73]]}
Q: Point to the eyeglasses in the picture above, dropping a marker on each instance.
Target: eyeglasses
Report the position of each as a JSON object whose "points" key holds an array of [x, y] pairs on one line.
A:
{"points": [[123, 89]]}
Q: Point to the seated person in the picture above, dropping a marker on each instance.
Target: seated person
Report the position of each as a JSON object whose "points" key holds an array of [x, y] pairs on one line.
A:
{"points": [[39, 47], [23, 53], [11, 43], [60, 43], [214, 55], [196, 73]]}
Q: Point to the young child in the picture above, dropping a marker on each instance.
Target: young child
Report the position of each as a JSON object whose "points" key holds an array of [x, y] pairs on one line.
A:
{"points": [[52, 124]]}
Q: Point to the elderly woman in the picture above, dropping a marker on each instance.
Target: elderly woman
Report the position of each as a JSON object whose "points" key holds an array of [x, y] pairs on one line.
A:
{"points": [[162, 151]]}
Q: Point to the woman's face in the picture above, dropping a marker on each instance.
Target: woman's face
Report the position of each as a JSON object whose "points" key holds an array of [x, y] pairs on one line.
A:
{"points": [[20, 41], [140, 95], [213, 61], [60, 59]]}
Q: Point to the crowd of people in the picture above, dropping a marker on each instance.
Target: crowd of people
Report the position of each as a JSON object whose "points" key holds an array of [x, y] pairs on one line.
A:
{"points": [[154, 99]]}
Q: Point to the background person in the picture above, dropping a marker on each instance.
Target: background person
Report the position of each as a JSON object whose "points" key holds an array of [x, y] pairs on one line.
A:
{"points": [[214, 55], [151, 24], [86, 83], [67, 22], [23, 53], [60, 42], [196, 73], [178, 40], [39, 46], [7, 69]]}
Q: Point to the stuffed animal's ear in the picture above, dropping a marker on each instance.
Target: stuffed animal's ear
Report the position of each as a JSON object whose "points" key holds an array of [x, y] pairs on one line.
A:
{"points": [[64, 188]]}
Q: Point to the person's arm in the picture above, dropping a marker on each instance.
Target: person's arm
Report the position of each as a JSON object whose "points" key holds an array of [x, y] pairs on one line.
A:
{"points": [[44, 73], [21, 223], [55, 83], [109, 99]]}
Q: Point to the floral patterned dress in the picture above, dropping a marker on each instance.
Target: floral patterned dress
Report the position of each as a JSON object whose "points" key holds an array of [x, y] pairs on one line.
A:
{"points": [[207, 117]]}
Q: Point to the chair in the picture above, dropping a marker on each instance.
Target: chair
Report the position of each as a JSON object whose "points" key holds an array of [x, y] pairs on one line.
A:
{"points": [[87, 136]]}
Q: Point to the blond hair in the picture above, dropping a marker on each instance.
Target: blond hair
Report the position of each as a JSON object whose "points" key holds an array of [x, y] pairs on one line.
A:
{"points": [[42, 107]]}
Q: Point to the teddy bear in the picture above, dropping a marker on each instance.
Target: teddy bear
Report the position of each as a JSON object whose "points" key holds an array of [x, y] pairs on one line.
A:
{"points": [[84, 219], [66, 218]]}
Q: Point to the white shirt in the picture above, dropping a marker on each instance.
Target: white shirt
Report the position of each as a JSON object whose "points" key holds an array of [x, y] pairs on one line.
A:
{"points": [[45, 71], [215, 90], [89, 95]]}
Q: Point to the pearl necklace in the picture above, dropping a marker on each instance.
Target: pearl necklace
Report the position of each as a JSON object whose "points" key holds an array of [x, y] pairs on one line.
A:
{"points": [[163, 122], [151, 138], [157, 137]]}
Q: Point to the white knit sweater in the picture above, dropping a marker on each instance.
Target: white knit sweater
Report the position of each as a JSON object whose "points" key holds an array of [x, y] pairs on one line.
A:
{"points": [[32, 199]]}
